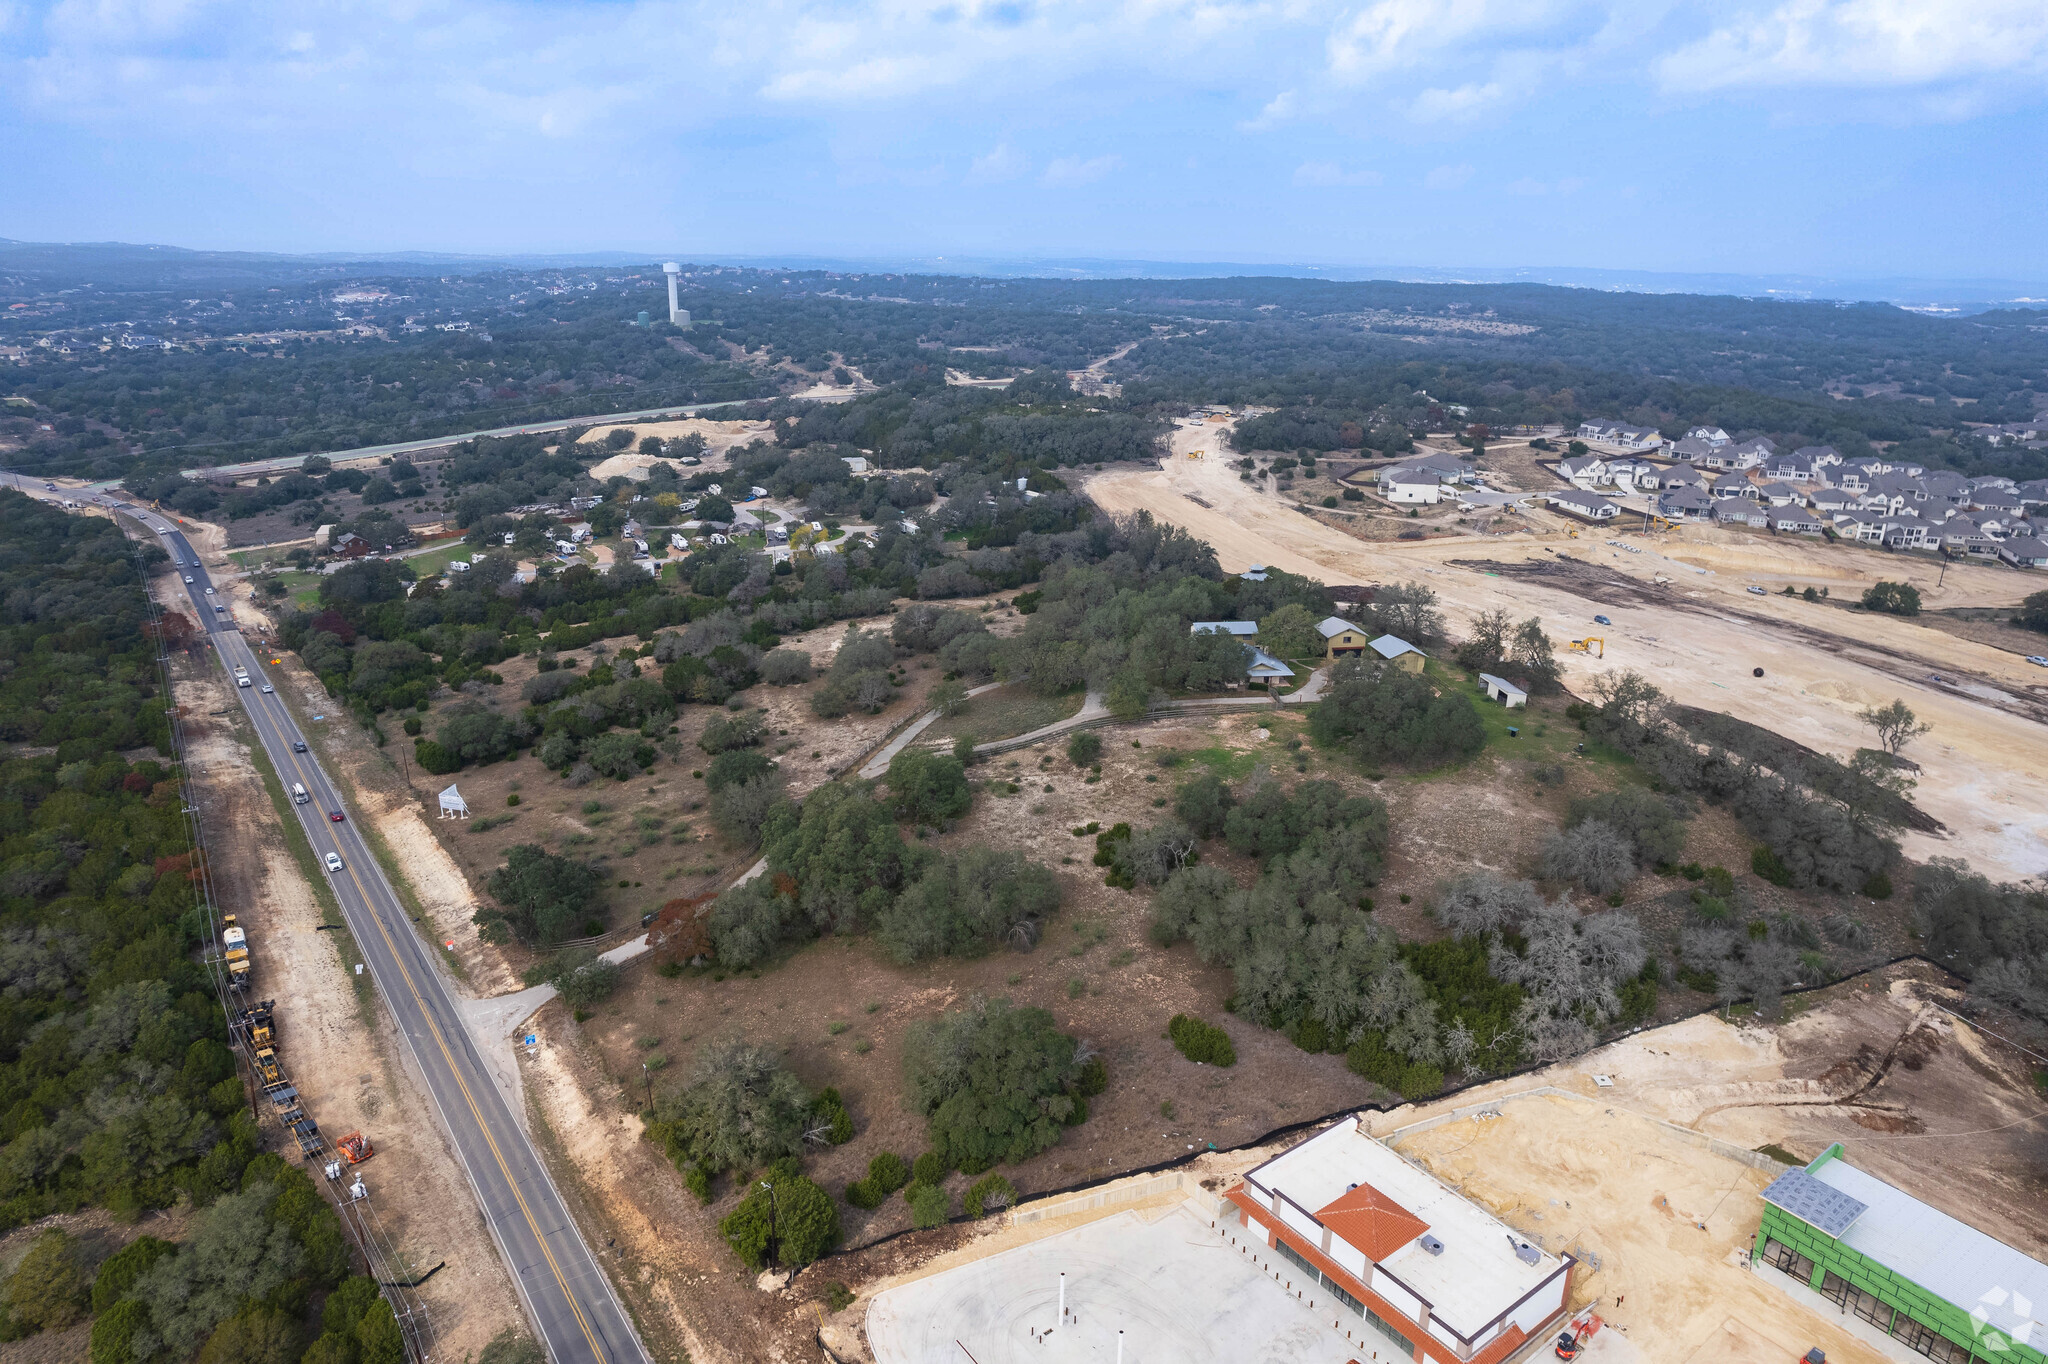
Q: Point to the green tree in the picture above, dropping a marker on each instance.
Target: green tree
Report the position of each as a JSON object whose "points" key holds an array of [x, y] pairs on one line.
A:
{"points": [[1896, 726], [927, 787], [114, 1332], [948, 697], [740, 1110], [258, 1337], [1084, 749], [806, 1222], [994, 1082], [1127, 694], [1291, 632], [544, 896], [969, 902], [844, 853], [1203, 804], [928, 1205], [2033, 612], [473, 733], [620, 755], [1898, 599], [1386, 714], [119, 1271], [377, 1336], [49, 1289]]}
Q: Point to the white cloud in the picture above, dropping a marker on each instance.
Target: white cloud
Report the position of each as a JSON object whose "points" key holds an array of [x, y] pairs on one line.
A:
{"points": [[1277, 111], [1871, 44], [1397, 35], [1330, 174], [1528, 187], [1001, 162], [1070, 171], [1461, 105], [1447, 177]]}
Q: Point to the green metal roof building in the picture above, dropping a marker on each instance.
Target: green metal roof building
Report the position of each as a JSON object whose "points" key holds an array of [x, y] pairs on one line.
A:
{"points": [[1933, 1284]]}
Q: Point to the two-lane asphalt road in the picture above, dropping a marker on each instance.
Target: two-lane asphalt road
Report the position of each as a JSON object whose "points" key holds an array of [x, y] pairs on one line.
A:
{"points": [[580, 1318]]}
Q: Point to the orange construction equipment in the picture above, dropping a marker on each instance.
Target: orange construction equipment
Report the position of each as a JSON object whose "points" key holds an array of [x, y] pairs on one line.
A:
{"points": [[1572, 1340], [356, 1147]]}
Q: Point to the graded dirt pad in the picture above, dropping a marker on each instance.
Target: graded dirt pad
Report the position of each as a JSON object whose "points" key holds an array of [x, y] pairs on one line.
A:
{"points": [[719, 439], [1985, 765], [339, 1048]]}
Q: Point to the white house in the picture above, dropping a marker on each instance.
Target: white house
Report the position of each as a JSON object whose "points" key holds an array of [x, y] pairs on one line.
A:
{"points": [[1584, 471], [1712, 435], [1255, 574], [1793, 521], [1685, 504], [1609, 432], [1751, 454], [1590, 506], [2024, 551], [1408, 487], [1637, 475]]}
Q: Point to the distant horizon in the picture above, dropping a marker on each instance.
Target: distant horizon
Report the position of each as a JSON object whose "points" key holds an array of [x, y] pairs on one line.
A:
{"points": [[1919, 292]]}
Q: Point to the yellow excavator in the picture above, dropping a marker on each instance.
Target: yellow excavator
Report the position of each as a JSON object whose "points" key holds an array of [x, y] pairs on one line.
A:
{"points": [[1593, 645]]}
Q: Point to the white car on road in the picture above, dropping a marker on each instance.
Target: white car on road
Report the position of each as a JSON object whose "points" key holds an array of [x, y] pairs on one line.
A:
{"points": [[334, 861], [2037, 660], [268, 690], [188, 578]]}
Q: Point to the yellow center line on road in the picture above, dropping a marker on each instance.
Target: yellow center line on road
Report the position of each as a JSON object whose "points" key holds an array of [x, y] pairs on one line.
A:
{"points": [[476, 1113], [447, 1055]]}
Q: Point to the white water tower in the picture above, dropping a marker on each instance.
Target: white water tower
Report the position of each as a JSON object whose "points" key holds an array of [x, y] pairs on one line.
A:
{"points": [[677, 314]]}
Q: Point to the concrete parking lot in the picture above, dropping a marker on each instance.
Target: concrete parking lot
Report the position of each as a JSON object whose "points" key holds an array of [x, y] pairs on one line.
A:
{"points": [[1178, 1289]]}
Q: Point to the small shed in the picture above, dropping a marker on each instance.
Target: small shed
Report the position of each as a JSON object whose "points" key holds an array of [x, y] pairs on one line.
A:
{"points": [[1501, 690], [1243, 629], [1399, 652]]}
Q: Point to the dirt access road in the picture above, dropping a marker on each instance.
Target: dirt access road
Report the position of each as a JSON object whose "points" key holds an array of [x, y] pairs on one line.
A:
{"points": [[1985, 765]]}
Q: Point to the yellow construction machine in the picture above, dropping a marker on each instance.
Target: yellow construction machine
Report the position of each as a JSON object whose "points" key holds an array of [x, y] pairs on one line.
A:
{"points": [[1593, 645], [257, 1025]]}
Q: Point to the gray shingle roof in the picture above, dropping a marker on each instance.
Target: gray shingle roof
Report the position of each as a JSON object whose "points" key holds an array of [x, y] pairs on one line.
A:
{"points": [[1814, 1203]]}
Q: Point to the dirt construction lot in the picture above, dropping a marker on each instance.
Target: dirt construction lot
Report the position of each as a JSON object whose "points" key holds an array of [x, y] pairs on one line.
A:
{"points": [[1985, 765]]}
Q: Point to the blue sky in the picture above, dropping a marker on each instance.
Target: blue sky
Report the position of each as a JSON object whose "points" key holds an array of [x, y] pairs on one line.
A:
{"points": [[1843, 137]]}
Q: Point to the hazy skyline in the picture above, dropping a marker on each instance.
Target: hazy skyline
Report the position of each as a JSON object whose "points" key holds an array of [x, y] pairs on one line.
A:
{"points": [[1869, 137]]}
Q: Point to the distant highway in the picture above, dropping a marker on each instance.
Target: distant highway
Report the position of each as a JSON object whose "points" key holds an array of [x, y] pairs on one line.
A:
{"points": [[567, 1295], [279, 465]]}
